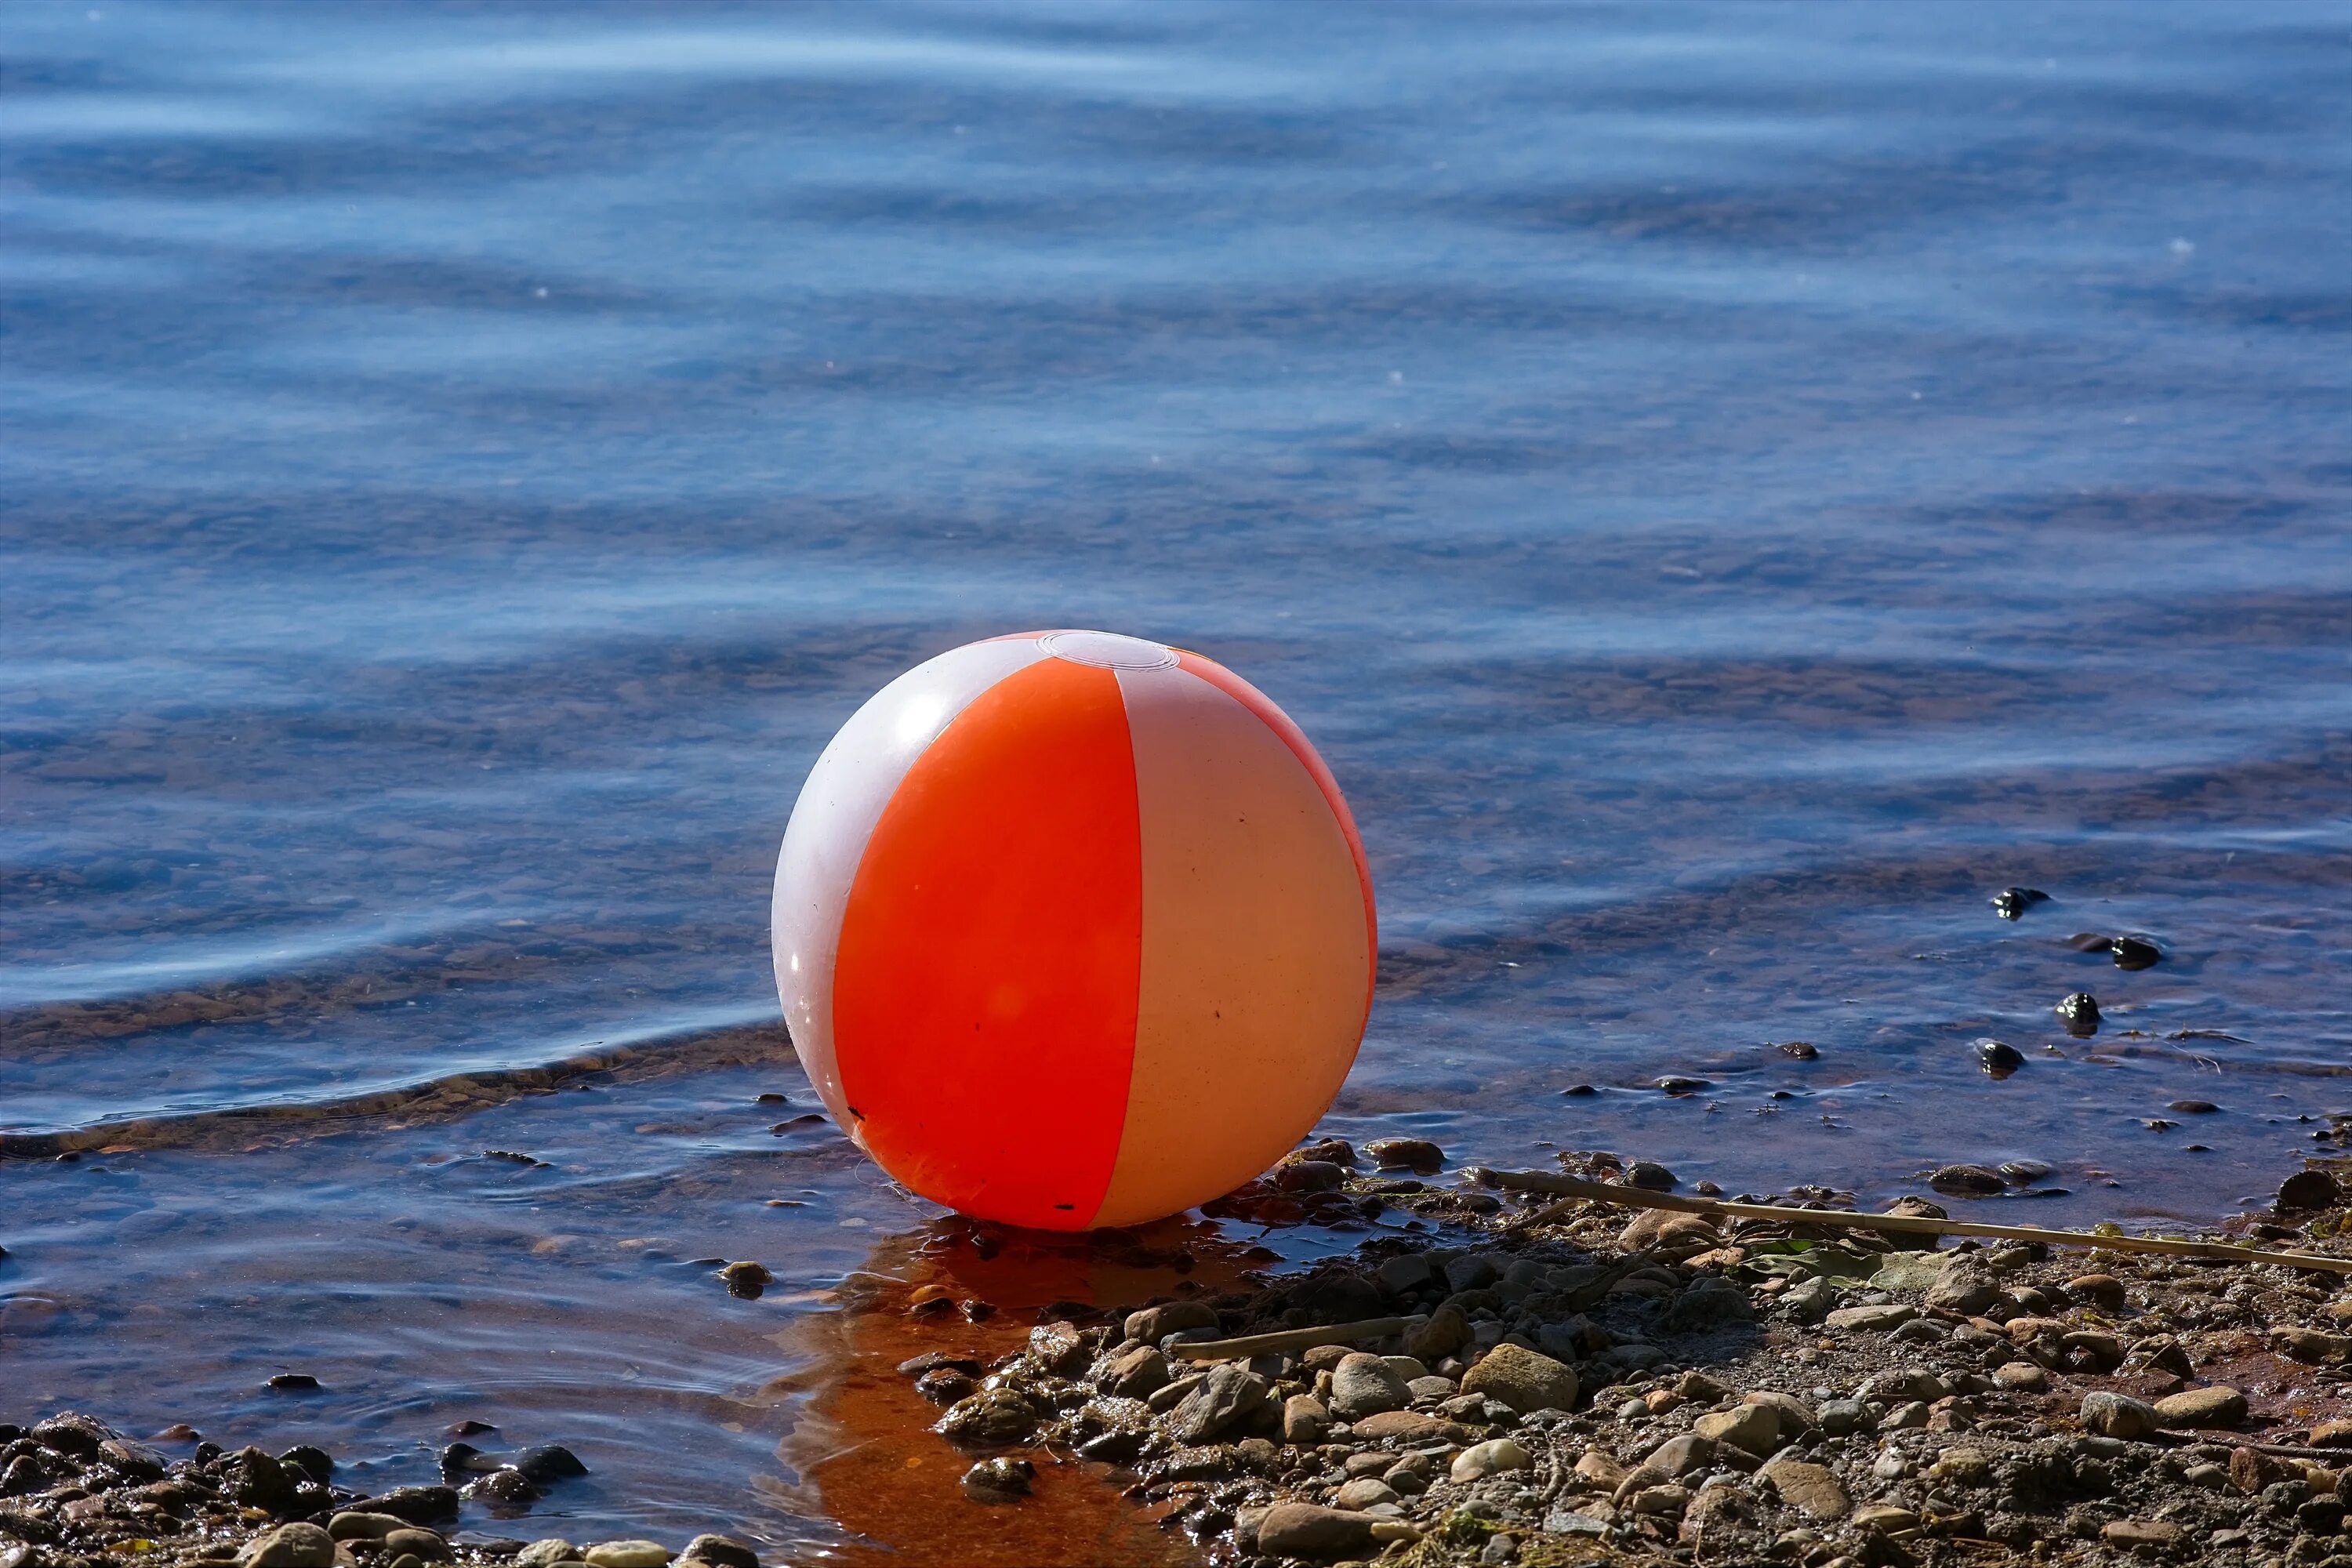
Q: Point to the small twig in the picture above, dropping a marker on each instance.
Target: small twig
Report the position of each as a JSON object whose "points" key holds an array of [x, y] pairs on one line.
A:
{"points": [[1285, 1340], [1577, 1187]]}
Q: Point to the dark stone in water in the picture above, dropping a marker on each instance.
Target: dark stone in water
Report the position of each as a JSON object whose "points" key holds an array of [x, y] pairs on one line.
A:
{"points": [[294, 1383], [72, 1433], [720, 1552], [2090, 941], [746, 1280], [1675, 1084], [315, 1463], [550, 1462], [773, 1098], [1649, 1175], [2024, 1172], [943, 1385], [427, 1506], [1579, 1091], [914, 1366], [257, 1481], [1405, 1155], [2000, 1057], [1803, 1050], [2012, 902], [1338, 1151], [1308, 1176], [1915, 1207], [992, 1419], [2080, 1012], [505, 1488], [2308, 1190], [2193, 1107], [998, 1480], [1114, 1448], [1967, 1181], [2131, 952], [470, 1428]]}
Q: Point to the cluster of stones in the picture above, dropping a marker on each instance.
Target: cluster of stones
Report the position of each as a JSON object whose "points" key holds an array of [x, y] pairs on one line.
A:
{"points": [[1615, 1390], [74, 1493]]}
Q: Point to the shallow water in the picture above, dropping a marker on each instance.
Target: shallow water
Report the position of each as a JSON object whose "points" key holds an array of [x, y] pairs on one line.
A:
{"points": [[1729, 490]]}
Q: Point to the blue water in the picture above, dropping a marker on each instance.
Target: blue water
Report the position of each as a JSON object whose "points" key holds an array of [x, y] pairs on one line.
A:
{"points": [[1728, 488]]}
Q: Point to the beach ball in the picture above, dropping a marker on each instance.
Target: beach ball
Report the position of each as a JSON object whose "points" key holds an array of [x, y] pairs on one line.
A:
{"points": [[1072, 929]]}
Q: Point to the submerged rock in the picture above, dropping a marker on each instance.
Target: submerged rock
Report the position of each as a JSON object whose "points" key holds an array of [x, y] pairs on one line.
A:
{"points": [[2012, 902], [2079, 1012]]}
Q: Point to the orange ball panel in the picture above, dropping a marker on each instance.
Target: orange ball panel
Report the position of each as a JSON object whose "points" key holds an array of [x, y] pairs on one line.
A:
{"points": [[984, 997]]}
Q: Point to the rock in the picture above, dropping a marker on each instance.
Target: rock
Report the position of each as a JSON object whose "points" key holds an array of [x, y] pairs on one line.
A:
{"points": [[746, 1280], [2310, 1345], [2117, 1416], [1302, 1530], [1136, 1375], [1403, 1273], [2089, 1350], [424, 1545], [1523, 1379], [2133, 953], [991, 1418], [1363, 1386], [1663, 1502], [259, 1480], [1812, 1490], [1842, 1416], [1405, 1155], [1406, 1426], [1600, 1466], [2012, 902], [1715, 1519], [413, 1505], [1308, 1176], [2020, 1376], [1999, 1058], [2252, 1471], [545, 1553], [2307, 1190], [1059, 1348], [1225, 1399], [505, 1488], [1909, 1417], [1753, 1427], [295, 1545], [1870, 1320], [2079, 1012], [1491, 1458], [1304, 1420], [1887, 1519], [944, 1385], [1803, 1051], [1363, 1492], [1709, 1303], [1678, 1457], [1676, 1083], [1809, 1301], [2331, 1434], [1967, 1181], [1793, 1414], [1153, 1324], [2201, 1410], [1965, 1288], [2194, 1106], [1650, 1176], [72, 1434], [2104, 1291], [625, 1554], [2142, 1535], [1446, 1332], [353, 1525], [999, 1480], [723, 1551]]}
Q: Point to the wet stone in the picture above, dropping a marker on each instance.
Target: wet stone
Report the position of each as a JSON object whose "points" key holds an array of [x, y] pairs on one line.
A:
{"points": [[1405, 1155], [424, 1545], [1967, 1181], [946, 1384], [2307, 1190], [2079, 1012], [627, 1554], [991, 1418], [1679, 1084], [746, 1280], [2133, 953], [1649, 1175], [548, 1462], [999, 1480], [505, 1488], [2012, 902], [1999, 1058], [546, 1551], [355, 1525], [721, 1550], [1310, 1176], [1801, 1050], [295, 1545]]}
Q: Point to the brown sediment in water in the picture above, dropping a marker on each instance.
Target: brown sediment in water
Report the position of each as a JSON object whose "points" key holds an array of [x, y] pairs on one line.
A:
{"points": [[886, 1477]]}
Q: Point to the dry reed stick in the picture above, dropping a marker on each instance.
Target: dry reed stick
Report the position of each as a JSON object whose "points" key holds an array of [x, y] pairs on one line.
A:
{"points": [[1578, 1187]]}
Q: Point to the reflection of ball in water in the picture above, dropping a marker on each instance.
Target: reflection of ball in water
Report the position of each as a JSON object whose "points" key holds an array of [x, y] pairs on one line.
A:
{"points": [[1072, 929]]}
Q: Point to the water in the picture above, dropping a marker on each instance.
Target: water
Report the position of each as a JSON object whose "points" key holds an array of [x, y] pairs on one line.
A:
{"points": [[1729, 490]]}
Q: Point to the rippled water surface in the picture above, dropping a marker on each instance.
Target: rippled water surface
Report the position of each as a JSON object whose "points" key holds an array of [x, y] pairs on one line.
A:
{"points": [[1729, 490]]}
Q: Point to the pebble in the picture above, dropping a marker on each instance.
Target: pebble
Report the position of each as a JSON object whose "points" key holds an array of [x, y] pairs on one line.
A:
{"points": [[745, 1280], [2132, 953], [1491, 1458], [2139, 1534], [1871, 1319], [1524, 1380], [1751, 1428], [295, 1545], [1302, 1529], [1365, 1386], [1967, 1181], [1405, 1155], [1674, 1083], [1803, 1051], [2193, 1107], [1649, 1175], [625, 1554], [2022, 1376], [2079, 1011], [2201, 1409], [998, 1480], [424, 1545], [1999, 1058], [1812, 1490], [991, 1418], [1153, 1324], [1363, 1492], [1304, 1420], [2012, 902], [722, 1551], [2113, 1415], [546, 1551], [351, 1525]]}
